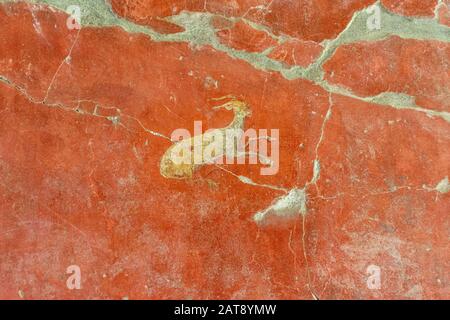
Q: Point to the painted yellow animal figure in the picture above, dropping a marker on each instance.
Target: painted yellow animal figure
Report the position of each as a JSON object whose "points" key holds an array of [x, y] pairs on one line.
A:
{"points": [[191, 150]]}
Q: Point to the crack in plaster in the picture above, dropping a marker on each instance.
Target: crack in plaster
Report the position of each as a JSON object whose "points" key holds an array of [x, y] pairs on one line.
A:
{"points": [[247, 180], [64, 61], [442, 187], [114, 119], [200, 32]]}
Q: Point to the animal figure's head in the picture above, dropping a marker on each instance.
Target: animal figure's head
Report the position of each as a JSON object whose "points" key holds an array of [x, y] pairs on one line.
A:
{"points": [[237, 106]]}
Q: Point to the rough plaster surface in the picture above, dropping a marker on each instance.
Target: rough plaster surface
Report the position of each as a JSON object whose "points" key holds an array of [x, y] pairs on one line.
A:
{"points": [[87, 178]]}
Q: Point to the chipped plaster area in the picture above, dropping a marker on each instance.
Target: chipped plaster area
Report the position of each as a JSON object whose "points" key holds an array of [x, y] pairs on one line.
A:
{"points": [[443, 186], [200, 32], [287, 207]]}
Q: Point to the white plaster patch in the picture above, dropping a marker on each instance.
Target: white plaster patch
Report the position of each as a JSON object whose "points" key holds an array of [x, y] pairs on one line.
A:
{"points": [[290, 205]]}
